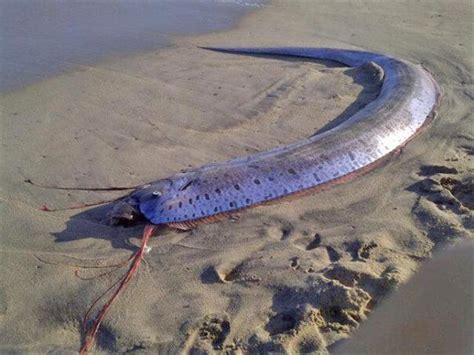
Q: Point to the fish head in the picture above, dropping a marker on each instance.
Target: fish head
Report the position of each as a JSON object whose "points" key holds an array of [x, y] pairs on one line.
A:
{"points": [[128, 212]]}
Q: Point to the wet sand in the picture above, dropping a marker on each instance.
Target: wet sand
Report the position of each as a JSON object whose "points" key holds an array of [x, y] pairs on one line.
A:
{"points": [[431, 314], [44, 38], [294, 277]]}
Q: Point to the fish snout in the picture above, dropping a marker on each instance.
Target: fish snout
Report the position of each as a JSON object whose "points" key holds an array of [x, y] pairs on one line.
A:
{"points": [[125, 214]]}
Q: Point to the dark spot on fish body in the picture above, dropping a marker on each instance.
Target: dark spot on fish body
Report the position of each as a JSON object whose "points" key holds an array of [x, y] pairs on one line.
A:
{"points": [[190, 201], [292, 171], [316, 177], [256, 181], [218, 191], [237, 187], [206, 196], [180, 204]]}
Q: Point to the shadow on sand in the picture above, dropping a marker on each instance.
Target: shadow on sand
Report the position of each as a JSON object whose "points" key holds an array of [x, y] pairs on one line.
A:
{"points": [[93, 222]]}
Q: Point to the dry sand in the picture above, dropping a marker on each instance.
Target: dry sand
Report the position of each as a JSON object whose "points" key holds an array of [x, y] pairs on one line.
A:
{"points": [[295, 277]]}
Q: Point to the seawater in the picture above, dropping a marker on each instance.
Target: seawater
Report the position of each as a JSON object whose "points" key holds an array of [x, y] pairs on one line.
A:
{"points": [[42, 38]]}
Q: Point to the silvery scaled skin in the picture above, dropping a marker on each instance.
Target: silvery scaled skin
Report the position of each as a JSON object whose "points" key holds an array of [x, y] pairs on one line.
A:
{"points": [[407, 101]]}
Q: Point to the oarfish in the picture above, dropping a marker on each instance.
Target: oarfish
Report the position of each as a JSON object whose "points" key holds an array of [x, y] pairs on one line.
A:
{"points": [[407, 101]]}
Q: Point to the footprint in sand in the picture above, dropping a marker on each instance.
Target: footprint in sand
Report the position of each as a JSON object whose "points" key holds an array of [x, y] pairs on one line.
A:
{"points": [[280, 323], [361, 250], [228, 273], [445, 203], [209, 335], [214, 330]]}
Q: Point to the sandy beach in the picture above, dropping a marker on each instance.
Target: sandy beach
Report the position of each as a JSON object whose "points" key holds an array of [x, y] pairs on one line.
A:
{"points": [[296, 277]]}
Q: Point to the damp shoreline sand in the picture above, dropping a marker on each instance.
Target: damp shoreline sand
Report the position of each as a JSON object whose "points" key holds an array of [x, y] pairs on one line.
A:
{"points": [[47, 38]]}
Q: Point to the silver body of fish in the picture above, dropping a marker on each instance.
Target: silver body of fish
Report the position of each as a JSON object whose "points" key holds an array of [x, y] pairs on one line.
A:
{"points": [[406, 103]]}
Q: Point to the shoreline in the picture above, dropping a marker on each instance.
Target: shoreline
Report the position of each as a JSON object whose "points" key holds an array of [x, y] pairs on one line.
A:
{"points": [[88, 34]]}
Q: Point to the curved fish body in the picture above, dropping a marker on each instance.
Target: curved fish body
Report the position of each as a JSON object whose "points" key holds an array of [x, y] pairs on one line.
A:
{"points": [[406, 102]]}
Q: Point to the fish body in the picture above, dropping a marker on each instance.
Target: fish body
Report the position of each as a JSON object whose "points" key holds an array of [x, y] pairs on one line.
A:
{"points": [[407, 101]]}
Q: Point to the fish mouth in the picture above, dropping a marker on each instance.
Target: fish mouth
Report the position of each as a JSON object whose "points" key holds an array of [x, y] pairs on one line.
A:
{"points": [[126, 214]]}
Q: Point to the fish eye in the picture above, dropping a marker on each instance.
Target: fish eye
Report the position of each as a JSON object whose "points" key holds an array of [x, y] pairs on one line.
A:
{"points": [[156, 193]]}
